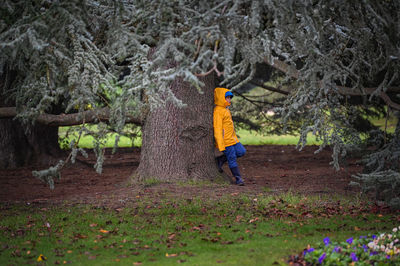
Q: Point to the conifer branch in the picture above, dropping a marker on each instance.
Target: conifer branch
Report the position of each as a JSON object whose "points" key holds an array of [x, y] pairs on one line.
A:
{"points": [[89, 116], [294, 73], [269, 88]]}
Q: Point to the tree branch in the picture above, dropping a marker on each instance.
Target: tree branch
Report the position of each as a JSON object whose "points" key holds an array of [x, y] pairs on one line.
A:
{"points": [[294, 73], [88, 116], [389, 101], [269, 88]]}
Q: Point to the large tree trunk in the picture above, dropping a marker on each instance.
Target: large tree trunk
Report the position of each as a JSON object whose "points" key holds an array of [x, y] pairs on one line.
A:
{"points": [[178, 143], [20, 146]]}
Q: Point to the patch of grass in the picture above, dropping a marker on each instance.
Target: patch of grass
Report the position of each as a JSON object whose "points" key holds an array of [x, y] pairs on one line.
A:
{"points": [[148, 182], [254, 138], [233, 229], [87, 141], [200, 183]]}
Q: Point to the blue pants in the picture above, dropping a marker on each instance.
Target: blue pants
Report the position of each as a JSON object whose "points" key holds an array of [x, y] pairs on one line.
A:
{"points": [[233, 152]]}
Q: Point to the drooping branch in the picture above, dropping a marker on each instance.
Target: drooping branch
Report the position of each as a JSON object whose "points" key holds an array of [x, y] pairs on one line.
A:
{"points": [[282, 66], [269, 88], [294, 73], [89, 116], [248, 122], [389, 101]]}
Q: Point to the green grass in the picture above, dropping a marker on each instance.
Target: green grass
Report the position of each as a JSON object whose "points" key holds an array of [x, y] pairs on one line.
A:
{"points": [[234, 230], [390, 123], [254, 138], [87, 141]]}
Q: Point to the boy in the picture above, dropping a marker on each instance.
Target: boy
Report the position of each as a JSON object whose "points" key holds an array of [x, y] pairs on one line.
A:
{"points": [[224, 134]]}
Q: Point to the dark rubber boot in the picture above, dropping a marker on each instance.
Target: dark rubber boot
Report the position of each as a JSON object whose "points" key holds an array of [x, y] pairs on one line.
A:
{"points": [[236, 174], [220, 160]]}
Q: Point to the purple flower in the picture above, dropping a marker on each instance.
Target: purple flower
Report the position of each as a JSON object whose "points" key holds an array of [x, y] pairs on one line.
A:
{"points": [[373, 253], [336, 249], [362, 237], [353, 256], [308, 251], [365, 248], [350, 240], [321, 258], [388, 257], [326, 241], [373, 236]]}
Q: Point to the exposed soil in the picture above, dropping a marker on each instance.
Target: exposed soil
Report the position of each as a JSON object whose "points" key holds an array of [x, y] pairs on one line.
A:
{"points": [[266, 169]]}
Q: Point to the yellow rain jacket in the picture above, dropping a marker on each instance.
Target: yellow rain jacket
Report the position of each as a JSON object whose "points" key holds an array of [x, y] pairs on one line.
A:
{"points": [[224, 132]]}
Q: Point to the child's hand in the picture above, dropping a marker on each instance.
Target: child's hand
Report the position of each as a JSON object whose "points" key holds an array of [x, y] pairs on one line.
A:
{"points": [[217, 152]]}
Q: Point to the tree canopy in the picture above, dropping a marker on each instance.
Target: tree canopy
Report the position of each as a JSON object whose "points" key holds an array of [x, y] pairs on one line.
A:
{"points": [[338, 62]]}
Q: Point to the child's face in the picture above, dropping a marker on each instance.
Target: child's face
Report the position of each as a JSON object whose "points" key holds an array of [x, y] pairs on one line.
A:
{"points": [[228, 99]]}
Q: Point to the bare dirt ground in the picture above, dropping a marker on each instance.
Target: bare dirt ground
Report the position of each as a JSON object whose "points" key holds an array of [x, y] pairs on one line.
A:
{"points": [[266, 169]]}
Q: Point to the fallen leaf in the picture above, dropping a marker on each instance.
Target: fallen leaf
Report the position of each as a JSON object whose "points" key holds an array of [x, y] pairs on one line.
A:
{"points": [[253, 220], [79, 236], [41, 258], [93, 225], [104, 231], [170, 255]]}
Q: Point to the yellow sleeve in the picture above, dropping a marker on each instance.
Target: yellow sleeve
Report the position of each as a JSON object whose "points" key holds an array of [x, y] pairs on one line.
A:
{"points": [[218, 134]]}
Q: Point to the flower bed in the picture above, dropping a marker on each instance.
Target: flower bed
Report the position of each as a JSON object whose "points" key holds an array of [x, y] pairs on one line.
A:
{"points": [[383, 249]]}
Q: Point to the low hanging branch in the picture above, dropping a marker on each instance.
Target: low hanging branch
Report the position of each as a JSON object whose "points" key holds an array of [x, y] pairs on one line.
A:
{"points": [[89, 116], [269, 88], [294, 73]]}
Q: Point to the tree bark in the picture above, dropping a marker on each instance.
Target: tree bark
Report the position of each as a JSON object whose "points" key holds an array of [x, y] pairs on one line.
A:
{"points": [[178, 143], [21, 145]]}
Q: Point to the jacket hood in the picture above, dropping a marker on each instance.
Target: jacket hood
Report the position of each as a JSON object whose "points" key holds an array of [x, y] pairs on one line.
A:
{"points": [[219, 97]]}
